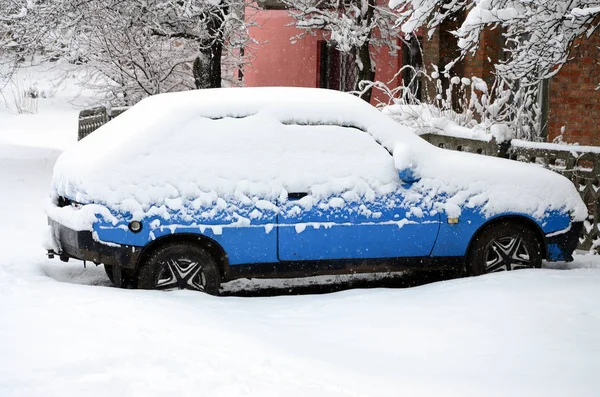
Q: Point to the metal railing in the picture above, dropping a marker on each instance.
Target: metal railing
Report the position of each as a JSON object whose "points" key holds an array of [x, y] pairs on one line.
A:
{"points": [[92, 119]]}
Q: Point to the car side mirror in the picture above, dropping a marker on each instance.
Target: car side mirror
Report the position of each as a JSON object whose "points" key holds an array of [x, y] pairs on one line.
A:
{"points": [[407, 175], [405, 162]]}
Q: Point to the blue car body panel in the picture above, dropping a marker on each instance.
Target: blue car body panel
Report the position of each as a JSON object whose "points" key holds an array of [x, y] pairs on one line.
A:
{"points": [[356, 231], [255, 242], [377, 229], [251, 244], [384, 228], [454, 239]]}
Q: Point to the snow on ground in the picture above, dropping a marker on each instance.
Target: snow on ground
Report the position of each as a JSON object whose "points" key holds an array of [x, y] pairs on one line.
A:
{"points": [[64, 331], [60, 99]]}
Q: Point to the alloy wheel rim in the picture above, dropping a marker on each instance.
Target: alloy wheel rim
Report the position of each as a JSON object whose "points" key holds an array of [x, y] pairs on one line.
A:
{"points": [[181, 273], [507, 253]]}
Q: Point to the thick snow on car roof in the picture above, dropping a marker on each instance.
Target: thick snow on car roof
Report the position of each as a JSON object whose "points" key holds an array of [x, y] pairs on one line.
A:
{"points": [[243, 144], [230, 142]]}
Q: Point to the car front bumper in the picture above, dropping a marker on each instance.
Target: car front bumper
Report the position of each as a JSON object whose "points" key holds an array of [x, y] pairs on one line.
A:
{"points": [[560, 246], [83, 246]]}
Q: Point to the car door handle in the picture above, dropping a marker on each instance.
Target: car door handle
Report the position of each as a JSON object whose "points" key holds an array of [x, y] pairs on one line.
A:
{"points": [[297, 195]]}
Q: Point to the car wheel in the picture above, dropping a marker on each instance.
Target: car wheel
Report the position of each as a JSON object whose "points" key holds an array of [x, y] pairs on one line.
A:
{"points": [[180, 266], [504, 246], [129, 279]]}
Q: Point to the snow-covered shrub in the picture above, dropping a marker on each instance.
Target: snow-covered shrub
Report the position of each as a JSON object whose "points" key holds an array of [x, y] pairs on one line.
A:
{"points": [[458, 109], [22, 96], [538, 34], [465, 107]]}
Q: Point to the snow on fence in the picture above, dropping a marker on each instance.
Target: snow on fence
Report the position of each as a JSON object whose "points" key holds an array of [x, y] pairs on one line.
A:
{"points": [[580, 164], [489, 148], [92, 119]]}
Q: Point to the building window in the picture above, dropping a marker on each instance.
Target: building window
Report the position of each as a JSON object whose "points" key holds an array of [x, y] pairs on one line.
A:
{"points": [[338, 70], [412, 55]]}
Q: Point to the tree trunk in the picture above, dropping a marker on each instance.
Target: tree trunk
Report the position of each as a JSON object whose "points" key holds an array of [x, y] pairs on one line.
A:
{"points": [[363, 56], [207, 66], [367, 72]]}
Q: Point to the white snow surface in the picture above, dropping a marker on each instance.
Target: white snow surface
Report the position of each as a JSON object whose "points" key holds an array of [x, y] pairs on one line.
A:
{"points": [[199, 149], [563, 147], [584, 12], [430, 119], [65, 332], [227, 142]]}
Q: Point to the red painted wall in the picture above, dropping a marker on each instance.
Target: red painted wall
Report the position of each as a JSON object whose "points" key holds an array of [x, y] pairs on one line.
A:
{"points": [[386, 67], [275, 61]]}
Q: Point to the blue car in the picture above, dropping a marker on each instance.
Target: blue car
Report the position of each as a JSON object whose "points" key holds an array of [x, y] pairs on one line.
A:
{"points": [[189, 190]]}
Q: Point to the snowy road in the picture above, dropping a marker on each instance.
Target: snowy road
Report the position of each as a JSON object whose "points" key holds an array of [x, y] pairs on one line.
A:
{"points": [[65, 332]]}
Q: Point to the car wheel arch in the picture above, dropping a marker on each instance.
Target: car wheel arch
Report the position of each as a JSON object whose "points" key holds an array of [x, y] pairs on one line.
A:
{"points": [[210, 245], [516, 219]]}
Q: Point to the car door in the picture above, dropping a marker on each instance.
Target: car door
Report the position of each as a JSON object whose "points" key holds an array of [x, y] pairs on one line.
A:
{"points": [[350, 222]]}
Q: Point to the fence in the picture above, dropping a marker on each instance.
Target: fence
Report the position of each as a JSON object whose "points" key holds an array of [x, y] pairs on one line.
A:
{"points": [[92, 119], [580, 164]]}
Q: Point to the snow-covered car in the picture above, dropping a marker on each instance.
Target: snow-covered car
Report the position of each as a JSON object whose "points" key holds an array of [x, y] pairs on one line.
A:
{"points": [[187, 190]]}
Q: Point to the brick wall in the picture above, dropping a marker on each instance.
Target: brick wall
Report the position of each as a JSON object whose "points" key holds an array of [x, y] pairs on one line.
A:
{"points": [[440, 50], [574, 100], [481, 64], [431, 55]]}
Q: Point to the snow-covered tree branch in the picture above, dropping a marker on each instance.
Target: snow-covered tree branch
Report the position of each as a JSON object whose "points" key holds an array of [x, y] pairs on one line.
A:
{"points": [[133, 48], [352, 27], [539, 34], [538, 37]]}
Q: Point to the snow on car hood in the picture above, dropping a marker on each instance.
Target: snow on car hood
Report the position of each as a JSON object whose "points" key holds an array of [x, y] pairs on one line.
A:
{"points": [[494, 184], [204, 148]]}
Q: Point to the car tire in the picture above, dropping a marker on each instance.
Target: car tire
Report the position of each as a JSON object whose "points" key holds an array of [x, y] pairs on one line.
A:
{"points": [[180, 266], [129, 279], [504, 246]]}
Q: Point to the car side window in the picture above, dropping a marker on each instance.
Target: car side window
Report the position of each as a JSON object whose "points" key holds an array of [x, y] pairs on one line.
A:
{"points": [[335, 154]]}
